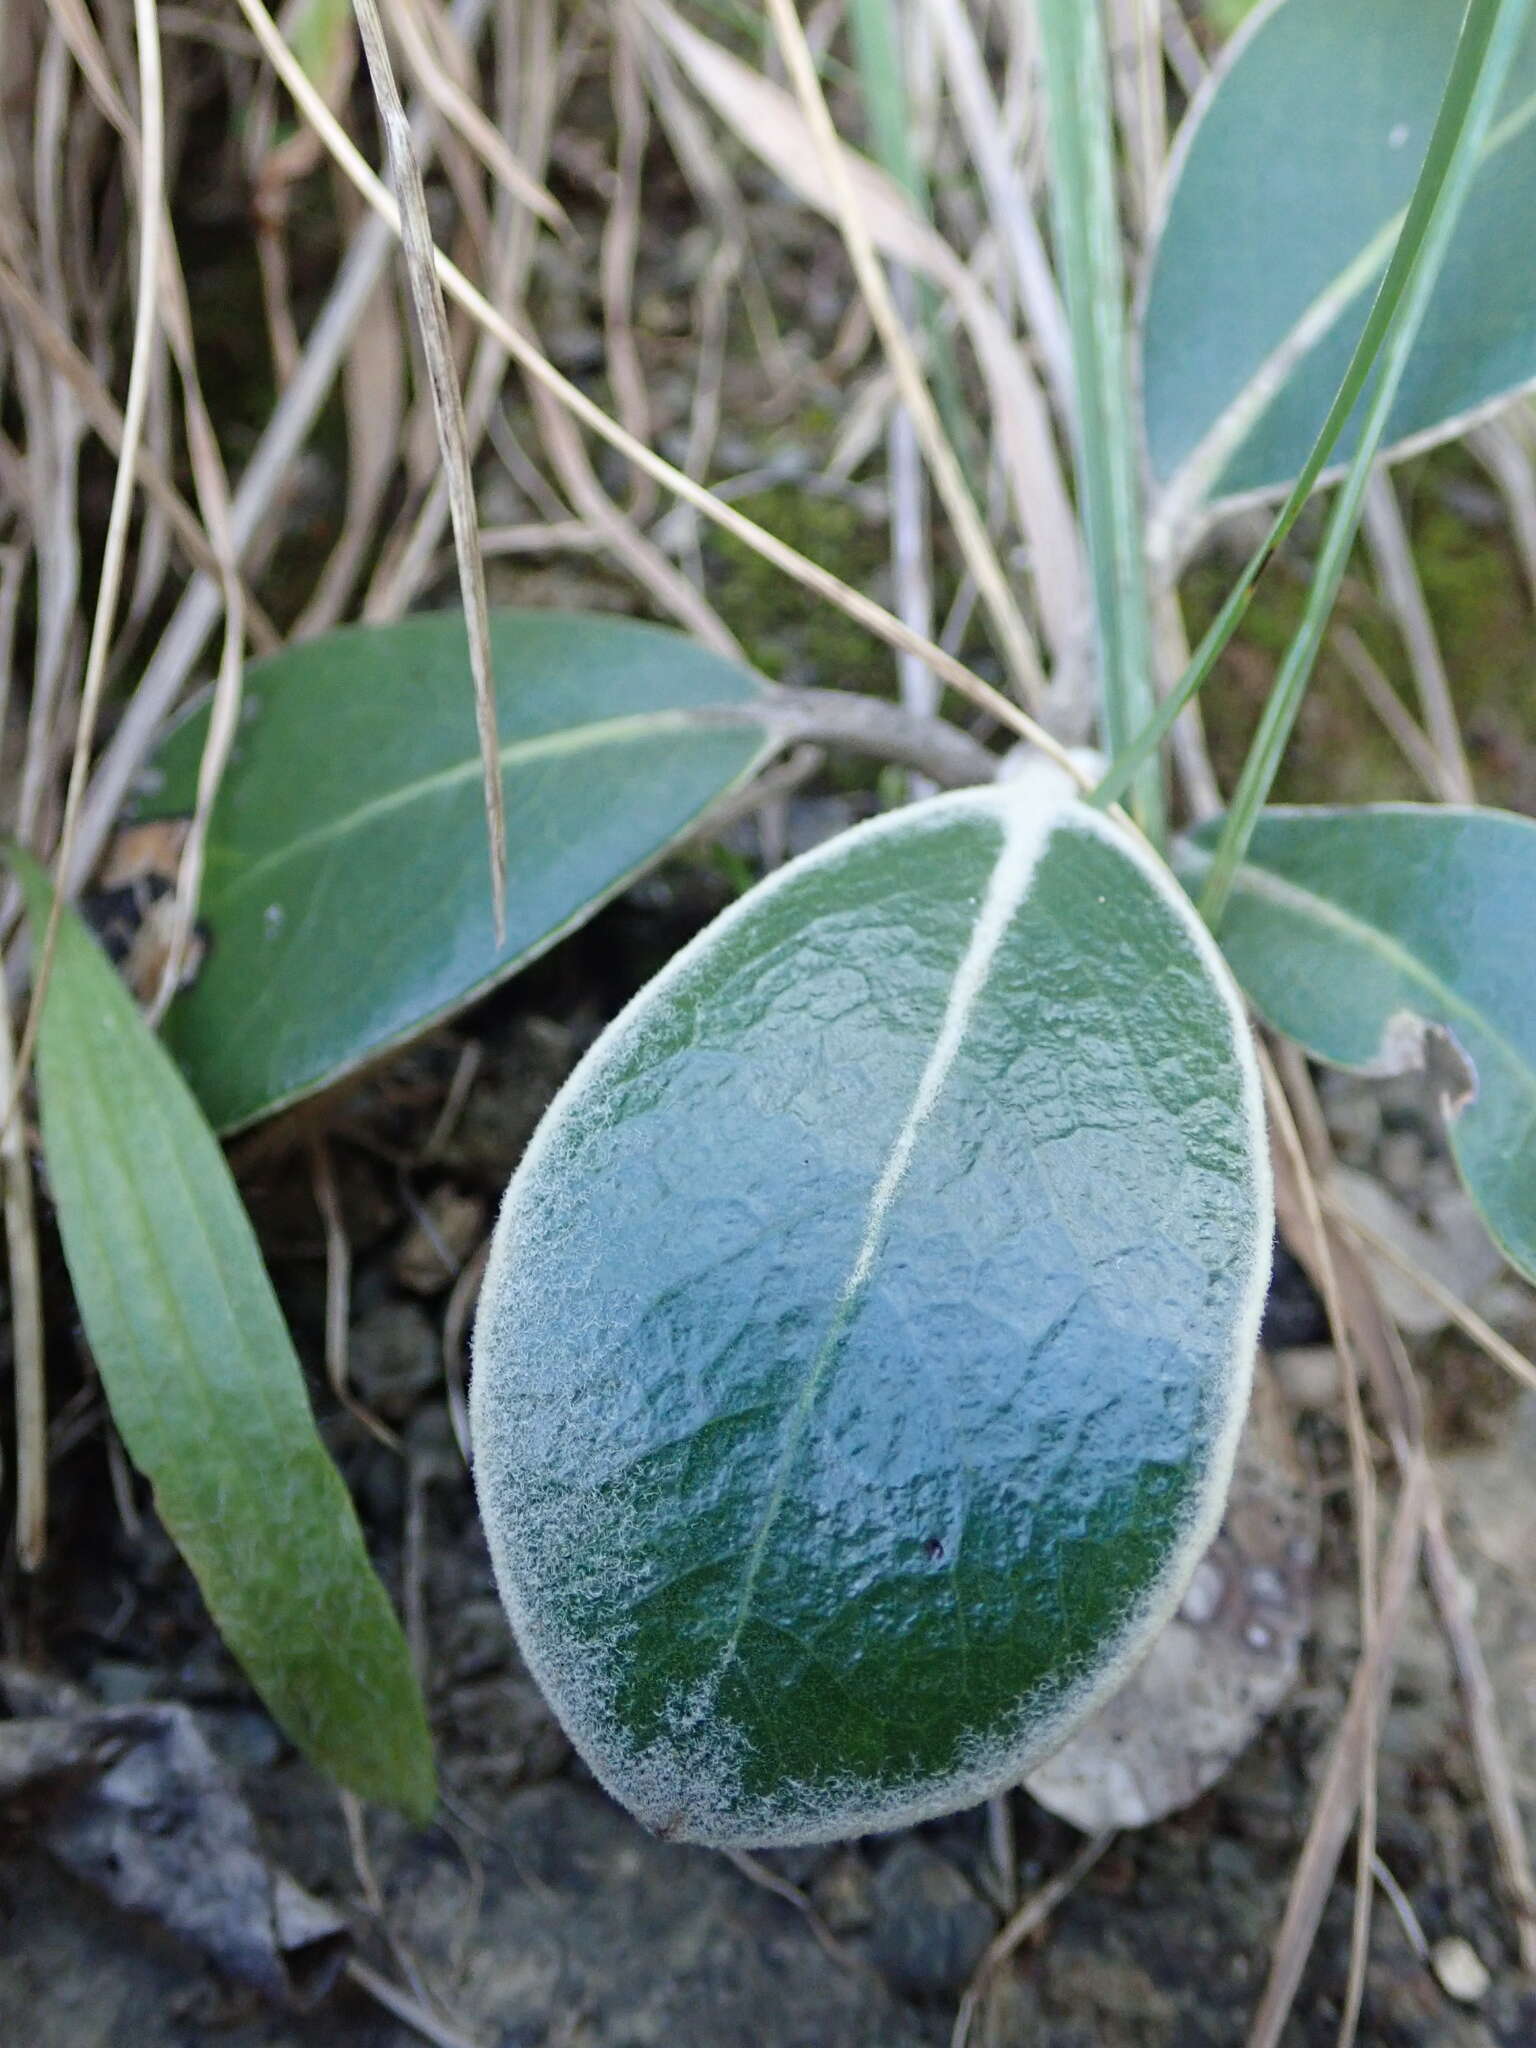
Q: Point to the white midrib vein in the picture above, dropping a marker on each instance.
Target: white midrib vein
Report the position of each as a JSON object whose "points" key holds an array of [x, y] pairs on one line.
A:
{"points": [[1026, 828]]}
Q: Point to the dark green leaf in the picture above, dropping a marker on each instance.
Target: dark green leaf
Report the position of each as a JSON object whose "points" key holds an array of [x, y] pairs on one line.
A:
{"points": [[204, 1384], [1378, 937], [346, 892], [867, 1330], [1291, 180]]}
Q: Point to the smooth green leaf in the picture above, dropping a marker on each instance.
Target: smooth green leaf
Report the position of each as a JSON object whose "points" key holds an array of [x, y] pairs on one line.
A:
{"points": [[204, 1385], [867, 1330], [346, 894], [1291, 178], [1376, 937]]}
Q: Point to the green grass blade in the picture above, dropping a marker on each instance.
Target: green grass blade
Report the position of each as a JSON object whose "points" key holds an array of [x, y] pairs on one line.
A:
{"points": [[1449, 158], [204, 1384], [1088, 253], [1490, 38]]}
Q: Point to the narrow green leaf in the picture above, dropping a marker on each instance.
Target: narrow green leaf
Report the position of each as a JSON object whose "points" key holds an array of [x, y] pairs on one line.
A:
{"points": [[204, 1384], [867, 1330], [319, 33], [1085, 212], [1366, 934], [1292, 176], [345, 890]]}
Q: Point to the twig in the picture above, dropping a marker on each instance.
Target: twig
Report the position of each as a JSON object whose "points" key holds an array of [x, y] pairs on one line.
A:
{"points": [[1398, 1395], [1014, 637], [1387, 538], [1030, 1917], [1452, 1599], [1394, 714], [1466, 1319], [1363, 1483], [102, 414], [338, 1291], [408, 2010], [448, 410], [114, 549], [1003, 1849], [886, 732], [292, 419], [1506, 455], [1402, 1906], [1334, 1813], [461, 1302], [27, 1364], [759, 1873]]}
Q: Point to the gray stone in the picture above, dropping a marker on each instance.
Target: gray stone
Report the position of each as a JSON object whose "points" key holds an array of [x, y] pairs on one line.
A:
{"points": [[930, 1927], [394, 1358]]}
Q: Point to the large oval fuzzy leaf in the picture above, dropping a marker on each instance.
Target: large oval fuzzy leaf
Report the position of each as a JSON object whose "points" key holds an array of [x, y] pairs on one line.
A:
{"points": [[346, 892], [1289, 182], [867, 1330], [1372, 936], [204, 1384]]}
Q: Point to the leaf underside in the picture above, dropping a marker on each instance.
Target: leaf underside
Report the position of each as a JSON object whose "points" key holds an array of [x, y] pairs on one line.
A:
{"points": [[1353, 930], [204, 1385], [867, 1329], [345, 896], [1288, 186]]}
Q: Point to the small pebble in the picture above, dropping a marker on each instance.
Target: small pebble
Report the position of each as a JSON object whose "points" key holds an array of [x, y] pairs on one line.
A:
{"points": [[1308, 1376], [1401, 1161], [1462, 1973], [429, 1256]]}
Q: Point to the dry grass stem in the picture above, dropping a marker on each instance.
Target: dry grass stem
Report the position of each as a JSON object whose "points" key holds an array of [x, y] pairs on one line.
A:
{"points": [[145, 335], [1334, 1812], [1467, 1320], [448, 411], [1299, 1176], [1386, 536], [532, 360], [1028, 1920], [973, 539]]}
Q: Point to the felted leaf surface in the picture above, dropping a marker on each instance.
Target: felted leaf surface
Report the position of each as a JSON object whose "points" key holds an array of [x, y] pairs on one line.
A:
{"points": [[1357, 932], [1289, 180], [204, 1384], [1223, 1663], [867, 1331], [346, 893]]}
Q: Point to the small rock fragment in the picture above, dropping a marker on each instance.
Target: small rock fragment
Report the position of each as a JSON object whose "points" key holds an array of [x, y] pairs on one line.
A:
{"points": [[428, 1257], [1461, 1970], [393, 1358], [1308, 1377], [843, 1894], [930, 1928]]}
